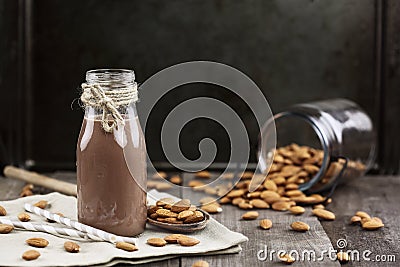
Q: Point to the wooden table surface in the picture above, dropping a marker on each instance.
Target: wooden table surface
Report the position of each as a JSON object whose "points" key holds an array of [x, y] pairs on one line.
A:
{"points": [[377, 195]]}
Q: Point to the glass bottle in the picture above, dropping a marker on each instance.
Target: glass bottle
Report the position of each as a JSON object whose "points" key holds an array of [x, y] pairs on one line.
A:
{"points": [[338, 128], [111, 165]]}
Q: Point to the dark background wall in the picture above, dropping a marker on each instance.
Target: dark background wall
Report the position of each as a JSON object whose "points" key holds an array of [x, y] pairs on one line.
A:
{"points": [[295, 51]]}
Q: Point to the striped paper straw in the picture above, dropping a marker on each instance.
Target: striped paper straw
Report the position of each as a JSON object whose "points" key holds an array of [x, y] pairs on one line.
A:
{"points": [[48, 229], [103, 235]]}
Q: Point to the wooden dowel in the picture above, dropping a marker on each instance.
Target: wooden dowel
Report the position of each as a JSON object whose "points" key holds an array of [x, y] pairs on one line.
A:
{"points": [[40, 180]]}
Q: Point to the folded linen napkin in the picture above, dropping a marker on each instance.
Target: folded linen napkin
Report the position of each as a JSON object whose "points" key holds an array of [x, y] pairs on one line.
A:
{"points": [[214, 239]]}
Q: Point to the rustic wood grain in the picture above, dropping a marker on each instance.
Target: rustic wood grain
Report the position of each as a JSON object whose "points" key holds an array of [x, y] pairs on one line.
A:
{"points": [[377, 195]]}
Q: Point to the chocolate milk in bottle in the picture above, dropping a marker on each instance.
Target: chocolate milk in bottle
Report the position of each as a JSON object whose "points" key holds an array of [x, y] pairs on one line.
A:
{"points": [[111, 155]]}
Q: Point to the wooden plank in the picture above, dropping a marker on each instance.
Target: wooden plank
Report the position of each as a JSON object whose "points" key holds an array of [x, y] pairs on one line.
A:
{"points": [[377, 195], [280, 236]]}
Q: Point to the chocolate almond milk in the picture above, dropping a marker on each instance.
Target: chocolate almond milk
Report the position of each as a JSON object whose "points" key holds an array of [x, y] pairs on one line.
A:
{"points": [[111, 193]]}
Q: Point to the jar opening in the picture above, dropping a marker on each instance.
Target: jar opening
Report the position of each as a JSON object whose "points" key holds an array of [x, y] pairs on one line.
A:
{"points": [[110, 79], [294, 128]]}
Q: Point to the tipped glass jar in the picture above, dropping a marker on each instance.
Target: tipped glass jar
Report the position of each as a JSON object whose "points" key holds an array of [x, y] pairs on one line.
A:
{"points": [[323, 142]]}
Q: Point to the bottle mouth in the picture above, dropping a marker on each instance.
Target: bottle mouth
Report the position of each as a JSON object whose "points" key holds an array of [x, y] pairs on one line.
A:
{"points": [[111, 78], [301, 122]]}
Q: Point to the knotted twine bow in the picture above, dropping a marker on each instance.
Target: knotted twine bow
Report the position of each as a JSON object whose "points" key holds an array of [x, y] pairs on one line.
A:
{"points": [[110, 100]]}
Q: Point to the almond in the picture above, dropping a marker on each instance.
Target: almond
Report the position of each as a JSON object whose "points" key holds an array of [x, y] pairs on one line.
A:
{"points": [[238, 200], [291, 187], [37, 242], [156, 242], [265, 224], [5, 228], [185, 214], [195, 183], [372, 225], [355, 219], [270, 185], [270, 196], [300, 226], [200, 264], [297, 210], [152, 209], [279, 180], [343, 257], [165, 201], [30, 255], [311, 169], [362, 214], [245, 205], [259, 204], [286, 258], [176, 179], [251, 215], [125, 246], [294, 193], [236, 193], [225, 200], [203, 174], [324, 214], [319, 206], [255, 194], [41, 204], [24, 217], [181, 205], [281, 206], [173, 238], [164, 213], [171, 220], [3, 211], [197, 217], [211, 208], [73, 247], [187, 241]]}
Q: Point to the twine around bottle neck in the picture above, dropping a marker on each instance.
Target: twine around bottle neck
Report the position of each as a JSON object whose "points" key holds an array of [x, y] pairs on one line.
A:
{"points": [[109, 101]]}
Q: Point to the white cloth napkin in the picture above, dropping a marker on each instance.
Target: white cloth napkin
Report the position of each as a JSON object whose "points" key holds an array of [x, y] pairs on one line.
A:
{"points": [[214, 239]]}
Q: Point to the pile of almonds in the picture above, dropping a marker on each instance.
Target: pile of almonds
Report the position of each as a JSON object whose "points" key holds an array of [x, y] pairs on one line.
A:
{"points": [[366, 222], [168, 210], [180, 239]]}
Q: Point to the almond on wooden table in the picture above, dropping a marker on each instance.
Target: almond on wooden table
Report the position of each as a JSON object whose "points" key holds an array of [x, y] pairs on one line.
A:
{"points": [[324, 214], [355, 219], [212, 208], [251, 215], [297, 210], [286, 258], [265, 224], [126, 246], [300, 226], [362, 214]]}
